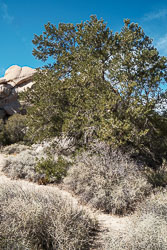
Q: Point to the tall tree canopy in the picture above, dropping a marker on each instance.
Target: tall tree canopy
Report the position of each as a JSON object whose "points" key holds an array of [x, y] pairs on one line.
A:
{"points": [[100, 83]]}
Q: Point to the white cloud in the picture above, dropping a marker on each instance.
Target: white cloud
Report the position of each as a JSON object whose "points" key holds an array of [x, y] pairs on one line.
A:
{"points": [[5, 13], [155, 15], [161, 45]]}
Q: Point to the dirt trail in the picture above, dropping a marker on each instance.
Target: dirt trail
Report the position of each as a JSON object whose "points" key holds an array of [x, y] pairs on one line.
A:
{"points": [[107, 222]]}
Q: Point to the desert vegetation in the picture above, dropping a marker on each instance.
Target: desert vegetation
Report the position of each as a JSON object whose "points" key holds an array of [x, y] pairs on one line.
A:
{"points": [[53, 171], [12, 130], [108, 180], [39, 218], [92, 127], [100, 86], [148, 228]]}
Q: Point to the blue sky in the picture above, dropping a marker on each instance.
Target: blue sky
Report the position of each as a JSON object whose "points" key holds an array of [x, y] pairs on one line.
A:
{"points": [[21, 19]]}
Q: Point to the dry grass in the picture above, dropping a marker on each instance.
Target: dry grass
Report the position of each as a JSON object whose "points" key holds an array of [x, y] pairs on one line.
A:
{"points": [[108, 180], [149, 228], [39, 218]]}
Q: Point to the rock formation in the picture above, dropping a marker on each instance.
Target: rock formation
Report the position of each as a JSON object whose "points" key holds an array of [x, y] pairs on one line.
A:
{"points": [[15, 80]]}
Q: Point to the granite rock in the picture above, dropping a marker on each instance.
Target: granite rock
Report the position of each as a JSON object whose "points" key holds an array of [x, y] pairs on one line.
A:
{"points": [[16, 80]]}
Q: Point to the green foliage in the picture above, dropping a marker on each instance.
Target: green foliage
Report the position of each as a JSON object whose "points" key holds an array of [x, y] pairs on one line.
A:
{"points": [[100, 85], [2, 133], [48, 106], [13, 130], [162, 104], [158, 177], [135, 71], [52, 171]]}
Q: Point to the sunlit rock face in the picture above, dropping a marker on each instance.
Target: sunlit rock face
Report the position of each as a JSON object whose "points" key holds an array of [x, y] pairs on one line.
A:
{"points": [[15, 80]]}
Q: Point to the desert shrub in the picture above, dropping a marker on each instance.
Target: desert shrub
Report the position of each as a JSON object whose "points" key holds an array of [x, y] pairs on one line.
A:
{"points": [[157, 177], [35, 163], [108, 180], [39, 218], [14, 129], [148, 230], [156, 204], [21, 165], [53, 171]]}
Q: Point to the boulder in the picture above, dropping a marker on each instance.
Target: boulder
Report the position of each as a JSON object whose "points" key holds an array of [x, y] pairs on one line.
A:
{"points": [[16, 80], [13, 73], [25, 75], [16, 75], [23, 86]]}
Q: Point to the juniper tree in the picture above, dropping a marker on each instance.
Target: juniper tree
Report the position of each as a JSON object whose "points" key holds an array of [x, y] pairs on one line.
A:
{"points": [[81, 55], [100, 82], [136, 71]]}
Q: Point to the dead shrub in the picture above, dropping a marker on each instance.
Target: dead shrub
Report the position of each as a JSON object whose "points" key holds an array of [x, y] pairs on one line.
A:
{"points": [[148, 230], [39, 218], [108, 180]]}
